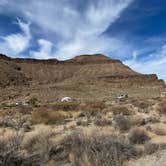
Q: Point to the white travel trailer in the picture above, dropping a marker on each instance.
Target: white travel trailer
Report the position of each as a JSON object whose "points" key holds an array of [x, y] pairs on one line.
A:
{"points": [[66, 99]]}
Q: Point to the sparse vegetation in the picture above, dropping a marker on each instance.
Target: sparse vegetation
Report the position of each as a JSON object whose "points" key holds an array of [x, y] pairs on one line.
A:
{"points": [[49, 117], [97, 150], [161, 107], [87, 133], [150, 147], [123, 110], [159, 129], [103, 122], [33, 101], [65, 106]]}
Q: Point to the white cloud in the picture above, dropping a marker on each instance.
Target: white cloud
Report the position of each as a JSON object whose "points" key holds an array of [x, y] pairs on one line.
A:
{"points": [[91, 45], [45, 50], [155, 64], [76, 31], [14, 44]]}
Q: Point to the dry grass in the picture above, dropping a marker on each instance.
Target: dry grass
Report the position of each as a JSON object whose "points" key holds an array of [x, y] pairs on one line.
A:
{"points": [[137, 120], [123, 110], [150, 147], [142, 104], [103, 122], [106, 145], [159, 129], [23, 121], [97, 150], [161, 108], [49, 117], [41, 147], [92, 108], [65, 106]]}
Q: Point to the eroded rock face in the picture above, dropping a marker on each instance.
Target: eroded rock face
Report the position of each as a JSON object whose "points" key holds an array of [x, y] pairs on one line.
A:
{"points": [[11, 74], [85, 69]]}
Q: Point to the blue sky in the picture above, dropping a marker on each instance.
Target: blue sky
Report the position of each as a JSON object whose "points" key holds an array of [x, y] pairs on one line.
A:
{"points": [[133, 31]]}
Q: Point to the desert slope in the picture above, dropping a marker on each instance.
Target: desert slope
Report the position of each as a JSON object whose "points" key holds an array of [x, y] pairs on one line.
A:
{"points": [[85, 68]]}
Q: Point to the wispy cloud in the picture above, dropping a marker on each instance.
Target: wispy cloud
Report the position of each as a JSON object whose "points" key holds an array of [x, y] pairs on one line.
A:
{"points": [[14, 44], [155, 64], [44, 51], [76, 30]]}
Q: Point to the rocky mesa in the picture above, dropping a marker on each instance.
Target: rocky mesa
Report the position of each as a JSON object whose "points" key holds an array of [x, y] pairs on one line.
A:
{"points": [[81, 69]]}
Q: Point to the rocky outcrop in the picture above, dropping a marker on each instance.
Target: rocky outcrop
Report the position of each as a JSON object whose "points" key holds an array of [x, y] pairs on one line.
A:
{"points": [[11, 74]]}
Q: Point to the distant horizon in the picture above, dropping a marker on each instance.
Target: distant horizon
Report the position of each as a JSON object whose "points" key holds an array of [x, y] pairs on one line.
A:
{"points": [[128, 30]]}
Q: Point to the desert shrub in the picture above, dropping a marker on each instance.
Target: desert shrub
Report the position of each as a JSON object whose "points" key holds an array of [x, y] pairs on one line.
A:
{"points": [[138, 136], [65, 106], [15, 123], [16, 149], [7, 121], [48, 117], [92, 108], [102, 122], [25, 109], [81, 114], [38, 140], [122, 123], [150, 147], [97, 150], [23, 122], [10, 150], [161, 107], [39, 147], [142, 105], [124, 110], [33, 101]]}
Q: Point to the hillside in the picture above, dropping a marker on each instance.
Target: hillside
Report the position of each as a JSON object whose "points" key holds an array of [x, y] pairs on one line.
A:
{"points": [[82, 68], [81, 77]]}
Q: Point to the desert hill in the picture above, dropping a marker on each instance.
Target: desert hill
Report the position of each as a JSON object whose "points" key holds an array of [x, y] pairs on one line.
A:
{"points": [[83, 77], [84, 69]]}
